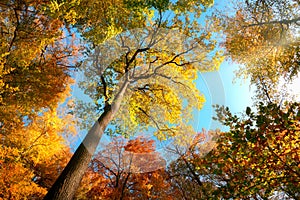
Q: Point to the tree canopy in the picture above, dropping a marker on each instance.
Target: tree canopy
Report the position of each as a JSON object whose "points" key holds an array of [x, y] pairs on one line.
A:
{"points": [[263, 36], [139, 63], [257, 158]]}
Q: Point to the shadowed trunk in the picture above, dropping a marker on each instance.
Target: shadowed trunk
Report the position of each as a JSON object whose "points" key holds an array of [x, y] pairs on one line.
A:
{"points": [[67, 183]]}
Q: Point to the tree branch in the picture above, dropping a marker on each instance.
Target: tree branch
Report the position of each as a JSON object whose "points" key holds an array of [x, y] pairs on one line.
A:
{"points": [[286, 22]]}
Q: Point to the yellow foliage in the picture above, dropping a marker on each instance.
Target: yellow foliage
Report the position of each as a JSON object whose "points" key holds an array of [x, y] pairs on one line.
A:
{"points": [[23, 150]]}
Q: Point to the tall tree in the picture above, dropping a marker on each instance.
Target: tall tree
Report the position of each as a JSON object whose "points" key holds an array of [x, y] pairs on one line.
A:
{"points": [[263, 36], [158, 90], [257, 158]]}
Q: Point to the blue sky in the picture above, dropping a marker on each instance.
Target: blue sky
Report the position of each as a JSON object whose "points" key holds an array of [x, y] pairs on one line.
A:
{"points": [[221, 87], [237, 94]]}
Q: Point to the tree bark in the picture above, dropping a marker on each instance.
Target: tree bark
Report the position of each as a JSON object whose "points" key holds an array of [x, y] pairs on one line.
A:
{"points": [[67, 183]]}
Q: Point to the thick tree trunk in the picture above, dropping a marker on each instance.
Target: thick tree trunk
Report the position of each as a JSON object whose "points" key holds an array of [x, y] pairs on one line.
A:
{"points": [[67, 183]]}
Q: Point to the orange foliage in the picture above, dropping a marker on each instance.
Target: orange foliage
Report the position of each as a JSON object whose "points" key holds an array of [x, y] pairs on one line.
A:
{"points": [[121, 180], [32, 157]]}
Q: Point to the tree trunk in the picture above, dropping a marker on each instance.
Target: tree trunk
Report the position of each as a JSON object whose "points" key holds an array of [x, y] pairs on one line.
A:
{"points": [[67, 183]]}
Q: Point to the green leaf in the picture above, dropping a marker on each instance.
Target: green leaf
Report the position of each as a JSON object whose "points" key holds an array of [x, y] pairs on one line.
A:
{"points": [[248, 110]]}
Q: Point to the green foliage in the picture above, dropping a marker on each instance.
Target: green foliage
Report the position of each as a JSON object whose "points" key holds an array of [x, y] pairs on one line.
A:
{"points": [[258, 157]]}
